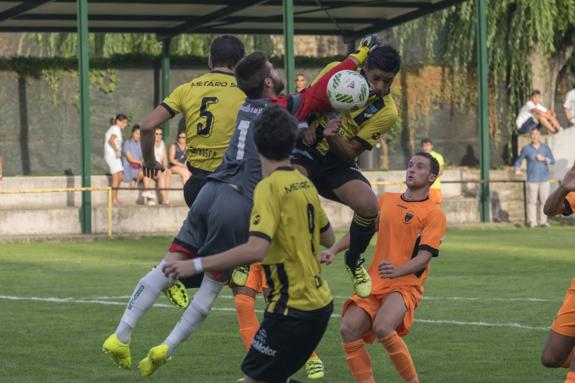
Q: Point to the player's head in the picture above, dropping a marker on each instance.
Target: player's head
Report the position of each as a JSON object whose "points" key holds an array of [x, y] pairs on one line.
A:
{"points": [[226, 51], [300, 82], [422, 171], [427, 145], [382, 65], [275, 132], [136, 132], [535, 135], [257, 77], [536, 96], [121, 120]]}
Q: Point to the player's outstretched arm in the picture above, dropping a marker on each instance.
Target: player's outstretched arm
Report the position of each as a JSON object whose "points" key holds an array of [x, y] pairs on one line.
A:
{"points": [[148, 125], [314, 99], [252, 251], [328, 255], [556, 200], [415, 265]]}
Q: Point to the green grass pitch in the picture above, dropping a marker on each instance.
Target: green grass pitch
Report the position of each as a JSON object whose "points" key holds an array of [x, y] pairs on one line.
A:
{"points": [[489, 299]]}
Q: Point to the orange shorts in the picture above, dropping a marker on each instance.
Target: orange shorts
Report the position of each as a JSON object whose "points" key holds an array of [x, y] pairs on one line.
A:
{"points": [[256, 278], [371, 305], [564, 323], [435, 195]]}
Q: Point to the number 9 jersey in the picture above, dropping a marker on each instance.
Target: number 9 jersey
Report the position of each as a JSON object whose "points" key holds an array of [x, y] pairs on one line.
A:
{"points": [[288, 214], [210, 104]]}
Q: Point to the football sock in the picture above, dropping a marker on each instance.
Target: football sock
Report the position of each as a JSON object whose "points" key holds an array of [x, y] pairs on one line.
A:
{"points": [[567, 362], [359, 361], [360, 233], [247, 319], [143, 297], [195, 314], [400, 356], [570, 377]]}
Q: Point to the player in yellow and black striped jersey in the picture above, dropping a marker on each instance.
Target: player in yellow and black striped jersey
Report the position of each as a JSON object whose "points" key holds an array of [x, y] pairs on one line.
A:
{"points": [[287, 227], [210, 105], [330, 160]]}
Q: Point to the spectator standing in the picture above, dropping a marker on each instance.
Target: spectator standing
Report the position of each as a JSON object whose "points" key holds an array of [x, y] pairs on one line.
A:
{"points": [[1, 167], [534, 115], [162, 178], [132, 161], [178, 157], [113, 153], [300, 82], [539, 157], [435, 189], [569, 107]]}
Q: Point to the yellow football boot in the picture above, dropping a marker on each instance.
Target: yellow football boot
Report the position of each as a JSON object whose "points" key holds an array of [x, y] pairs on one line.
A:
{"points": [[360, 279], [119, 351], [157, 357], [314, 368]]}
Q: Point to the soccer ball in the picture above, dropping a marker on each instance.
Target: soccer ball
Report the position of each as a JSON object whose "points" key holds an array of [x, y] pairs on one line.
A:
{"points": [[347, 91]]}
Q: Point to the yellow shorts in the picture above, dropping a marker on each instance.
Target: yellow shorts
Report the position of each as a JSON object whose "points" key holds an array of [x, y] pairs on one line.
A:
{"points": [[564, 322], [371, 305], [256, 278]]}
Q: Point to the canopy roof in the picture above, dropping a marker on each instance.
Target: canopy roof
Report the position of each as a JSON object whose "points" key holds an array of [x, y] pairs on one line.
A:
{"points": [[168, 18]]}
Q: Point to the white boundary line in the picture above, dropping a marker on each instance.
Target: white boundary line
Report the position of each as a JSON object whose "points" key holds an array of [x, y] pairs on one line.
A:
{"points": [[100, 301], [470, 299]]}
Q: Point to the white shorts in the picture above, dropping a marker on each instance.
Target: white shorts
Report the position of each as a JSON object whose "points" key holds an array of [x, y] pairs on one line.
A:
{"points": [[115, 164]]}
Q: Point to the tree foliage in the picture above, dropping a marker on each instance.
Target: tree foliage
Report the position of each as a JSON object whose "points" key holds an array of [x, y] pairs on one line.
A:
{"points": [[515, 29]]}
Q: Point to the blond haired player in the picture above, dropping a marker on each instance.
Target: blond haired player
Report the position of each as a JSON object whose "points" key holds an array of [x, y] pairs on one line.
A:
{"points": [[411, 227]]}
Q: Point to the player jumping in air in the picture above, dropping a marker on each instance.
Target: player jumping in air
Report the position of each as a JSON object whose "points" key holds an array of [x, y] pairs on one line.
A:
{"points": [[329, 159], [558, 350], [219, 217], [210, 105], [411, 227], [287, 226]]}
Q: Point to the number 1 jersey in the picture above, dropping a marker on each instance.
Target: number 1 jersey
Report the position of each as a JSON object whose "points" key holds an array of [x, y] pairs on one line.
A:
{"points": [[210, 105]]}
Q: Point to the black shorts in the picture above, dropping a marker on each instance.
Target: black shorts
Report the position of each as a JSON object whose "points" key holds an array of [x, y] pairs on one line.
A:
{"points": [[194, 184], [327, 172], [284, 343]]}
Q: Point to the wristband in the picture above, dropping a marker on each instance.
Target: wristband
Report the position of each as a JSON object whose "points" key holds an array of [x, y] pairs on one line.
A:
{"points": [[198, 265], [360, 54]]}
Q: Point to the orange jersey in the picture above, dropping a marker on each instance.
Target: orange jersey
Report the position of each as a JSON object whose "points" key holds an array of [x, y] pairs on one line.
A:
{"points": [[405, 227], [569, 206]]}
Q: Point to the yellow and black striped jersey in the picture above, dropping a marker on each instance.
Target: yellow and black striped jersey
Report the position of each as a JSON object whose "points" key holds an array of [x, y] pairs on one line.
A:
{"points": [[366, 125], [287, 212], [210, 104]]}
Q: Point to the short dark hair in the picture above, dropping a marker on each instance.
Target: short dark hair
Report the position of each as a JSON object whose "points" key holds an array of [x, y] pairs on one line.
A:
{"points": [[120, 117], [385, 58], [226, 51], [251, 73], [135, 127], [275, 132], [426, 140], [535, 93], [433, 164]]}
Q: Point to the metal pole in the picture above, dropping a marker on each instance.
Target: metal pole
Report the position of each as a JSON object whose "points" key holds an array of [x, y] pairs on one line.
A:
{"points": [[482, 69], [86, 135], [166, 83], [289, 63]]}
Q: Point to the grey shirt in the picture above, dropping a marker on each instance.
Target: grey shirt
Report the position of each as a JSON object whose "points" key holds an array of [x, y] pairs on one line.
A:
{"points": [[241, 165]]}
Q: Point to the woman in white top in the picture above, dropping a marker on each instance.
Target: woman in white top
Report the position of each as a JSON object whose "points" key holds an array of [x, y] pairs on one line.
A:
{"points": [[163, 178], [113, 153]]}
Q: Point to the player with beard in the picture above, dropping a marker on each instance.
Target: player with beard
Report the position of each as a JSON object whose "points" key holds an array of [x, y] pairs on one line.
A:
{"points": [[219, 217]]}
